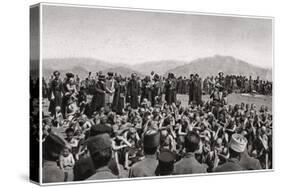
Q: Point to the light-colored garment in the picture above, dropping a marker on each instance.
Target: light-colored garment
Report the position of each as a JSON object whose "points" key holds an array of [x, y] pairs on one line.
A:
{"points": [[231, 165], [144, 168], [103, 173], [67, 161], [110, 85], [189, 165], [52, 173]]}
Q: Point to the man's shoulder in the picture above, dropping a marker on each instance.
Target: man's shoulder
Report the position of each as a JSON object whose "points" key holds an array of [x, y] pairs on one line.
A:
{"points": [[102, 175]]}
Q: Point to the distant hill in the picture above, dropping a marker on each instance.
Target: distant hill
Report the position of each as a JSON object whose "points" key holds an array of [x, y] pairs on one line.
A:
{"points": [[82, 66], [203, 66], [227, 64], [160, 67], [124, 71]]}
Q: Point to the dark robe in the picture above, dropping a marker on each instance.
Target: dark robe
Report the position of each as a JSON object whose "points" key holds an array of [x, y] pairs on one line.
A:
{"points": [[133, 93], [146, 91], [118, 103], [55, 90], [190, 92], [171, 91], [98, 100], [156, 93]]}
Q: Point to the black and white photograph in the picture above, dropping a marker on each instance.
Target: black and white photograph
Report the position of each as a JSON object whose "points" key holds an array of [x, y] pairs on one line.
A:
{"points": [[136, 94]]}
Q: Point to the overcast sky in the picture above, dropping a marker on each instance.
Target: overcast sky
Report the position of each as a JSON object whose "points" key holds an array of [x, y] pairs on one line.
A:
{"points": [[122, 36]]}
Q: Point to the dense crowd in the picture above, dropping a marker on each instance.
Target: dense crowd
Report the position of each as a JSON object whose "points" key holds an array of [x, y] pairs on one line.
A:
{"points": [[108, 127]]}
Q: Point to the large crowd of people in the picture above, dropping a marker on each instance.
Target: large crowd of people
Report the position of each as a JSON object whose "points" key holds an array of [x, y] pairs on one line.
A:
{"points": [[110, 127]]}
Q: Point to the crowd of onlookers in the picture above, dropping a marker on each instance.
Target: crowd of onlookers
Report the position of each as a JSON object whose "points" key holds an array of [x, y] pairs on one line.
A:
{"points": [[108, 127]]}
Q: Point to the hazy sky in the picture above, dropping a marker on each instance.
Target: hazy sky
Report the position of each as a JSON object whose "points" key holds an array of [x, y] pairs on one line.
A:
{"points": [[135, 36]]}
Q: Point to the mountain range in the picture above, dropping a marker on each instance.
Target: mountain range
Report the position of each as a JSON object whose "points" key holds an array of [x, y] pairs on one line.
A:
{"points": [[203, 66]]}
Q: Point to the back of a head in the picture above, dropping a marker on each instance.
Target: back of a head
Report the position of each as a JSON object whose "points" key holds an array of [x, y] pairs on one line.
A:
{"points": [[100, 147], [192, 141]]}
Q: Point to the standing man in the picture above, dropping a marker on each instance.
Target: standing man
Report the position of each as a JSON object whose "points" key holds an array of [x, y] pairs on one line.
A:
{"points": [[134, 91], [148, 165], [110, 87], [191, 88], [237, 146], [98, 100], [188, 164], [55, 92]]}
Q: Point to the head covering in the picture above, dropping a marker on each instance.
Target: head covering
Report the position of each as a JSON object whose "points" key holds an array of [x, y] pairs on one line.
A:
{"points": [[69, 75], [151, 139], [110, 73], [238, 143], [99, 143]]}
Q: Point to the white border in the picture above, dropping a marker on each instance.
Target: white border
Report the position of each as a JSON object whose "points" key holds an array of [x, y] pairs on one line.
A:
{"points": [[160, 11]]}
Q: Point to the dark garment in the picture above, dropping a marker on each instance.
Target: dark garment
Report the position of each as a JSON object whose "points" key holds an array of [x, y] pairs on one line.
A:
{"points": [[98, 100], [52, 173], [190, 92], [56, 92], [231, 165], [144, 168], [171, 91], [146, 91], [156, 93], [189, 165], [118, 103], [134, 91], [84, 168]]}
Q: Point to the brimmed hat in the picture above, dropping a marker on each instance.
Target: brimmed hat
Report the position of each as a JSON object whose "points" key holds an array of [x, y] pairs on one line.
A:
{"points": [[238, 143], [99, 143]]}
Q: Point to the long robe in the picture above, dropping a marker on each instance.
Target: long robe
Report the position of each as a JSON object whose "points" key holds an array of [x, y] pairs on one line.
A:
{"points": [[98, 100], [134, 90], [118, 103], [56, 92]]}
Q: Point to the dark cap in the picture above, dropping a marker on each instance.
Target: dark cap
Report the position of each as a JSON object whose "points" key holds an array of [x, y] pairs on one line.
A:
{"points": [[69, 75], [99, 143], [110, 73], [151, 138]]}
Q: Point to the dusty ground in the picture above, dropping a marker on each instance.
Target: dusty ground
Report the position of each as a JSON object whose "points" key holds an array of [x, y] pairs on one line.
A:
{"points": [[232, 99]]}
